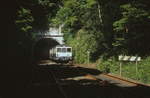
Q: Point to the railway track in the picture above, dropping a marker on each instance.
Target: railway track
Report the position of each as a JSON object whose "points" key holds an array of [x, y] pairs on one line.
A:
{"points": [[129, 81], [79, 82], [125, 81], [58, 85], [44, 84], [99, 82], [106, 82]]}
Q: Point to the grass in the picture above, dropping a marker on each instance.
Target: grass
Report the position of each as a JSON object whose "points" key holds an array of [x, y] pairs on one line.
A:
{"points": [[128, 69]]}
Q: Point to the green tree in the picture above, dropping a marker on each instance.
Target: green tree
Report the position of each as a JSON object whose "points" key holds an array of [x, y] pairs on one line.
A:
{"points": [[131, 29]]}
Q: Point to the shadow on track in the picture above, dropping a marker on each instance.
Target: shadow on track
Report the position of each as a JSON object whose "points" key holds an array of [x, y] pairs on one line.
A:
{"points": [[73, 82], [70, 78]]}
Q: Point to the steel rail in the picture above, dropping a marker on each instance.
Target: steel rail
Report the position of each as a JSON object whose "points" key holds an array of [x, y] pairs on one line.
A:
{"points": [[126, 80], [59, 85], [122, 79], [105, 82]]}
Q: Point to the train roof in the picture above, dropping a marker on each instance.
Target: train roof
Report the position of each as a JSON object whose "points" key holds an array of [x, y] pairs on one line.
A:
{"points": [[62, 46]]}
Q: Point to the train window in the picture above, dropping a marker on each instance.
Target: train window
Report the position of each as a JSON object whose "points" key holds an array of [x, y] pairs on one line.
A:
{"points": [[68, 49], [58, 49], [63, 49]]}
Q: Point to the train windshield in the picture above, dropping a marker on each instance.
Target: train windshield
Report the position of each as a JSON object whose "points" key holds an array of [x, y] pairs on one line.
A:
{"points": [[63, 49]]}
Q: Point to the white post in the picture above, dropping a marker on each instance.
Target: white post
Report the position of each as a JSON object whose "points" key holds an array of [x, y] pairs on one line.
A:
{"points": [[120, 68], [88, 56], [136, 69]]}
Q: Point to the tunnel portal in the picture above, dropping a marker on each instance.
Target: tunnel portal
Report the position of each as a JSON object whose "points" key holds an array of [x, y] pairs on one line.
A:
{"points": [[42, 46]]}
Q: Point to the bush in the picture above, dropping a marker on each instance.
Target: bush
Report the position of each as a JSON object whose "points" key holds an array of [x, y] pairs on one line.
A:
{"points": [[144, 70], [109, 65]]}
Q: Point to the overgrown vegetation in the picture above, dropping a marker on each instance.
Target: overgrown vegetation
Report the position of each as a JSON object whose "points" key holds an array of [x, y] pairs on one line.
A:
{"points": [[25, 19], [113, 28], [128, 69], [106, 29]]}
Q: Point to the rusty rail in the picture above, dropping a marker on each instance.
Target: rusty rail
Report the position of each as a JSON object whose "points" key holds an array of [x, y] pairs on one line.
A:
{"points": [[126, 80]]}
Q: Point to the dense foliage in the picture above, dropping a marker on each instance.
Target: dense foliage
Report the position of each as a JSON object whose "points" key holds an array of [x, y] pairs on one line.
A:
{"points": [[113, 28], [106, 29], [25, 19], [132, 29], [81, 28], [101, 27]]}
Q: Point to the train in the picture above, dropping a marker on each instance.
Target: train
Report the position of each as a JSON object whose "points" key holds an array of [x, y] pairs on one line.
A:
{"points": [[61, 54]]}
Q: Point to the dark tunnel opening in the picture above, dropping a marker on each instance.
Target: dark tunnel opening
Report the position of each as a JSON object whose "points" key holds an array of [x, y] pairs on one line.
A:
{"points": [[42, 47]]}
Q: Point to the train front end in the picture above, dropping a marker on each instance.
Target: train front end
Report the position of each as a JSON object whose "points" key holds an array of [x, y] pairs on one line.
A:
{"points": [[63, 54]]}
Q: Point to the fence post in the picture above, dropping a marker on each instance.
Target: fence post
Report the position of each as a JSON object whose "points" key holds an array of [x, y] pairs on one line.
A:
{"points": [[120, 68], [136, 69], [88, 57]]}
